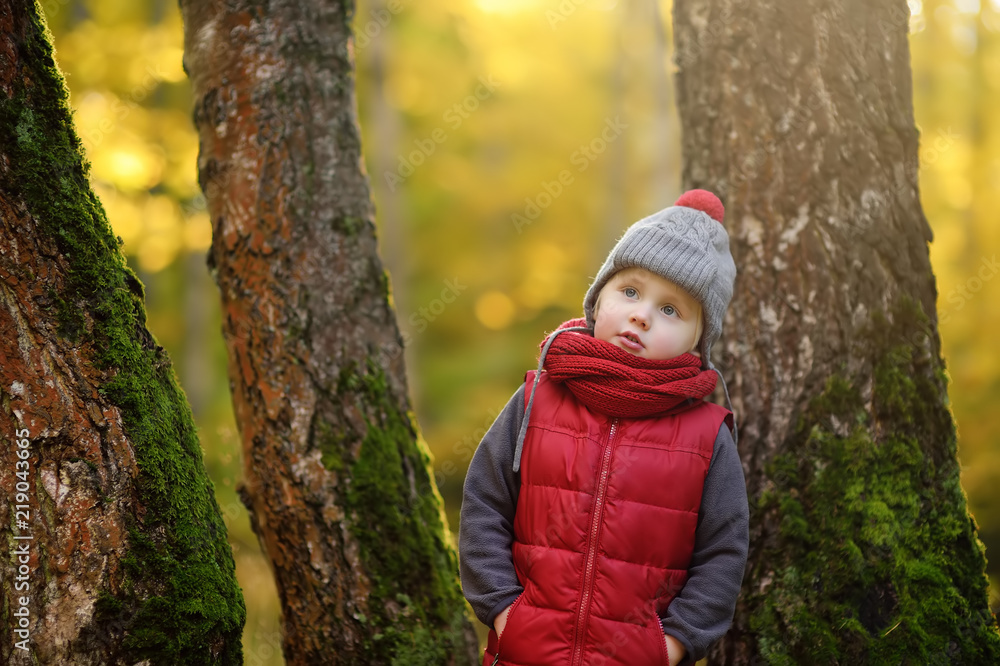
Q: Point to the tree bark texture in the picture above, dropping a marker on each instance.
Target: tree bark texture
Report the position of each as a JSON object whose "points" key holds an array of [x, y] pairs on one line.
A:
{"points": [[799, 114], [115, 549], [337, 478]]}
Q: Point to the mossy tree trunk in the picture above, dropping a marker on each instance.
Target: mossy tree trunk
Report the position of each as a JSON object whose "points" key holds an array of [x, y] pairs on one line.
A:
{"points": [[862, 549], [337, 479], [115, 549]]}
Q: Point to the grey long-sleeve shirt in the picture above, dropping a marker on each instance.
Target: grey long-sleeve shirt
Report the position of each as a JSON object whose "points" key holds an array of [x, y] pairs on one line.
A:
{"points": [[698, 616]]}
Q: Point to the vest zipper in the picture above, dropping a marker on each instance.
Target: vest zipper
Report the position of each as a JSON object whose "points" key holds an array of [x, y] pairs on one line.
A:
{"points": [[595, 529]]}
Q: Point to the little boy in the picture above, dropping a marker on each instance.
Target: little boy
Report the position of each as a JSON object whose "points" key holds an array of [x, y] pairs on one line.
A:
{"points": [[605, 518]]}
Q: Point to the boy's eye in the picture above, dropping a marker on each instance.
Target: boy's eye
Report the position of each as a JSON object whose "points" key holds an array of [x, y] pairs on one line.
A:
{"points": [[630, 292], [669, 310]]}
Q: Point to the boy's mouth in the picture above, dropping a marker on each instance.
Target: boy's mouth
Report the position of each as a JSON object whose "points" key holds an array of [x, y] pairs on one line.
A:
{"points": [[631, 341]]}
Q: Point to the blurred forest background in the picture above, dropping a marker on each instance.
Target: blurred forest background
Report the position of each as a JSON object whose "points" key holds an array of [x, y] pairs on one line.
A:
{"points": [[509, 142]]}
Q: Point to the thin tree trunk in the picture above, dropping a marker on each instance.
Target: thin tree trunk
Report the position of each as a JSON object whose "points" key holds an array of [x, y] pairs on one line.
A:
{"points": [[386, 122], [337, 479], [664, 132], [197, 355], [117, 550], [862, 549], [614, 207], [394, 241]]}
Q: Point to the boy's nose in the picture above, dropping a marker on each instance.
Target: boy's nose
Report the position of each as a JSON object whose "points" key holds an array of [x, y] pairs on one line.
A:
{"points": [[640, 318]]}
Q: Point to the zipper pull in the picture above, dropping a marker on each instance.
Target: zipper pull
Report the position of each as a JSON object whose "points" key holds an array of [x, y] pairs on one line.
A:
{"points": [[497, 659]]}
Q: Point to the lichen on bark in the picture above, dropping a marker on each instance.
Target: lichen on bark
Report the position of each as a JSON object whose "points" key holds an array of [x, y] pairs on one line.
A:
{"points": [[176, 599], [395, 513], [876, 559]]}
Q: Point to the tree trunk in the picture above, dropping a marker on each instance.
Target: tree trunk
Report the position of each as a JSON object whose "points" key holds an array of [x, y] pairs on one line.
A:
{"points": [[862, 549], [118, 552], [664, 131], [337, 479]]}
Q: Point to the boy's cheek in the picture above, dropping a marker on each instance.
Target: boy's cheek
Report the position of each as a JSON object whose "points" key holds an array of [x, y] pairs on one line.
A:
{"points": [[610, 306]]}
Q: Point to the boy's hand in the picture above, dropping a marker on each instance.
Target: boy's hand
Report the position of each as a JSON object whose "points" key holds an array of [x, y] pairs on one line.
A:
{"points": [[675, 650], [501, 620]]}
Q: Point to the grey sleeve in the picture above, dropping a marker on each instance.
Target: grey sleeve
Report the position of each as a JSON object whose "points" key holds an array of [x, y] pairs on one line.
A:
{"points": [[703, 610], [486, 523]]}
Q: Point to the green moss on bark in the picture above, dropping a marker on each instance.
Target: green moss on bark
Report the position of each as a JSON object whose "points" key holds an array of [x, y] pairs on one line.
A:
{"points": [[877, 559], [417, 612], [180, 602]]}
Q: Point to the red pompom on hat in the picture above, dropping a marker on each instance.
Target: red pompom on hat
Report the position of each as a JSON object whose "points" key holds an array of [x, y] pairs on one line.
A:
{"points": [[704, 201]]}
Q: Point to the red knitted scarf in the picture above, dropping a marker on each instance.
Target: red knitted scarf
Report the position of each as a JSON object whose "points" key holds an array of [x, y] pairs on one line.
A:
{"points": [[610, 380]]}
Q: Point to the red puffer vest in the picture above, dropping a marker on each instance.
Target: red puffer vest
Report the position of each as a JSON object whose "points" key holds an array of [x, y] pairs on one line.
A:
{"points": [[604, 531]]}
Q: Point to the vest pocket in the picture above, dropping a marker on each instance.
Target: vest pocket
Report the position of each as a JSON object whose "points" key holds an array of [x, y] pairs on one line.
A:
{"points": [[660, 636], [510, 616], [494, 649]]}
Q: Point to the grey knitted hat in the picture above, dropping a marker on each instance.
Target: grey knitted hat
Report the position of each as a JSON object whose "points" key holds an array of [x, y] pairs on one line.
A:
{"points": [[687, 245]]}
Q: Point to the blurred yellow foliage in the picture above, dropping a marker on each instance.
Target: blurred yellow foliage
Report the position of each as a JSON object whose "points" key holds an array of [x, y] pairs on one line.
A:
{"points": [[495, 310]]}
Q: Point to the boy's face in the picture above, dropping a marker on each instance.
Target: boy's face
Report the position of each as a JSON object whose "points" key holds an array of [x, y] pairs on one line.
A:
{"points": [[647, 315]]}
